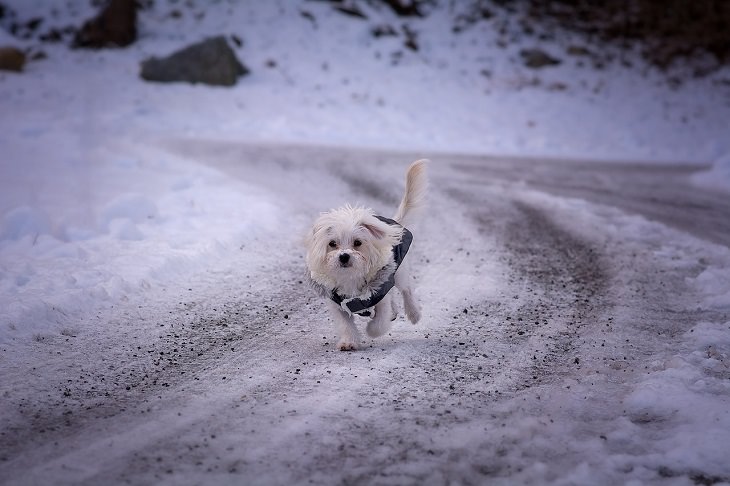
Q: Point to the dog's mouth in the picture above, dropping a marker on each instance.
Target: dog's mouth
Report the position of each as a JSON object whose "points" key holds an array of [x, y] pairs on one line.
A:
{"points": [[345, 264]]}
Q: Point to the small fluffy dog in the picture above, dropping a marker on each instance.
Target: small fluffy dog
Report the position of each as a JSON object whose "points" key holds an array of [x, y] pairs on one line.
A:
{"points": [[354, 259]]}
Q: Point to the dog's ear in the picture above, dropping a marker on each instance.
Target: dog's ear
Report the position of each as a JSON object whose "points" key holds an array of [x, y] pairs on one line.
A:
{"points": [[315, 242], [382, 231], [375, 230]]}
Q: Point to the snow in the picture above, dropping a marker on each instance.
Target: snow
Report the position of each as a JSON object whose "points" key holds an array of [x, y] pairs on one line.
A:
{"points": [[714, 285], [117, 196], [24, 221], [689, 394], [716, 176]]}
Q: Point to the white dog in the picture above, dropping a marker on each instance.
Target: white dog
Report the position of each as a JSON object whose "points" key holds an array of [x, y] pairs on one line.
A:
{"points": [[354, 259]]}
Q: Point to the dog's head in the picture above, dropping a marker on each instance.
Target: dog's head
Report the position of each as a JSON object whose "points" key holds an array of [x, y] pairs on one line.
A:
{"points": [[347, 246]]}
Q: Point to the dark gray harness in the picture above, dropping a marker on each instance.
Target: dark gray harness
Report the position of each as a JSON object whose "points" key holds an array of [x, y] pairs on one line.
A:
{"points": [[362, 307]]}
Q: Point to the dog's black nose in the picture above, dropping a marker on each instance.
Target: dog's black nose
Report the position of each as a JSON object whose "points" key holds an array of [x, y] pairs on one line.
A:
{"points": [[344, 257]]}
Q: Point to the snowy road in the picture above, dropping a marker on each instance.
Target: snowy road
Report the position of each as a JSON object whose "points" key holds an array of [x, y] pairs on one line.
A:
{"points": [[559, 304]]}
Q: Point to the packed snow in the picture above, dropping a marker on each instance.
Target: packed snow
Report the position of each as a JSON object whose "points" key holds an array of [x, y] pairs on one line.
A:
{"points": [[107, 206]]}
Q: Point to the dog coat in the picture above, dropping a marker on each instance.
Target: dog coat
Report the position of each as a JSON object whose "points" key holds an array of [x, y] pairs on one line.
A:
{"points": [[384, 279]]}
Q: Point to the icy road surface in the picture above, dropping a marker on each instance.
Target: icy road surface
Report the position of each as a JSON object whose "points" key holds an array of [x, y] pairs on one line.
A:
{"points": [[574, 331]]}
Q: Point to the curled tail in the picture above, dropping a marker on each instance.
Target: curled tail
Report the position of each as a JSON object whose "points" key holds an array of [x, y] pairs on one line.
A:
{"points": [[415, 195]]}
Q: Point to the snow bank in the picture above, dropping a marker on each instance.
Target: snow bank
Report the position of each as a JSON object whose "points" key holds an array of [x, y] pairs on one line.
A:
{"points": [[134, 208], [689, 399], [714, 285], [24, 222], [56, 268], [717, 177]]}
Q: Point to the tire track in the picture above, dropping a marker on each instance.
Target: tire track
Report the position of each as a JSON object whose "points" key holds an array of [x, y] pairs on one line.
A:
{"points": [[572, 282], [121, 376], [559, 282]]}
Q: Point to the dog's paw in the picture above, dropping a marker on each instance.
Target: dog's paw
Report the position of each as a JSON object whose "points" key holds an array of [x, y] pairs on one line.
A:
{"points": [[378, 327], [413, 313], [347, 346], [411, 307]]}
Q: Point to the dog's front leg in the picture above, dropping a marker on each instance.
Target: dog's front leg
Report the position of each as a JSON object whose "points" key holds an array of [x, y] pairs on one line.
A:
{"points": [[346, 330], [381, 323]]}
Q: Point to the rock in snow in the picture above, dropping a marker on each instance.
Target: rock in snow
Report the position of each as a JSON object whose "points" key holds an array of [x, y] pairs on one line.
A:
{"points": [[11, 59], [537, 58], [211, 61], [115, 26]]}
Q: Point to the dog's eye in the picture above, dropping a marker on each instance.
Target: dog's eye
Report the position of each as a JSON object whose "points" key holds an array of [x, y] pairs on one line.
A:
{"points": [[357, 243], [333, 244]]}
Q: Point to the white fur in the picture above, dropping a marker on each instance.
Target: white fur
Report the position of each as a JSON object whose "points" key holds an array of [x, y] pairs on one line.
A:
{"points": [[365, 243]]}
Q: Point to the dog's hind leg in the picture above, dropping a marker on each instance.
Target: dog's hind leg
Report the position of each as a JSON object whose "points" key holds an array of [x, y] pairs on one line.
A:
{"points": [[413, 310], [410, 305], [349, 338]]}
